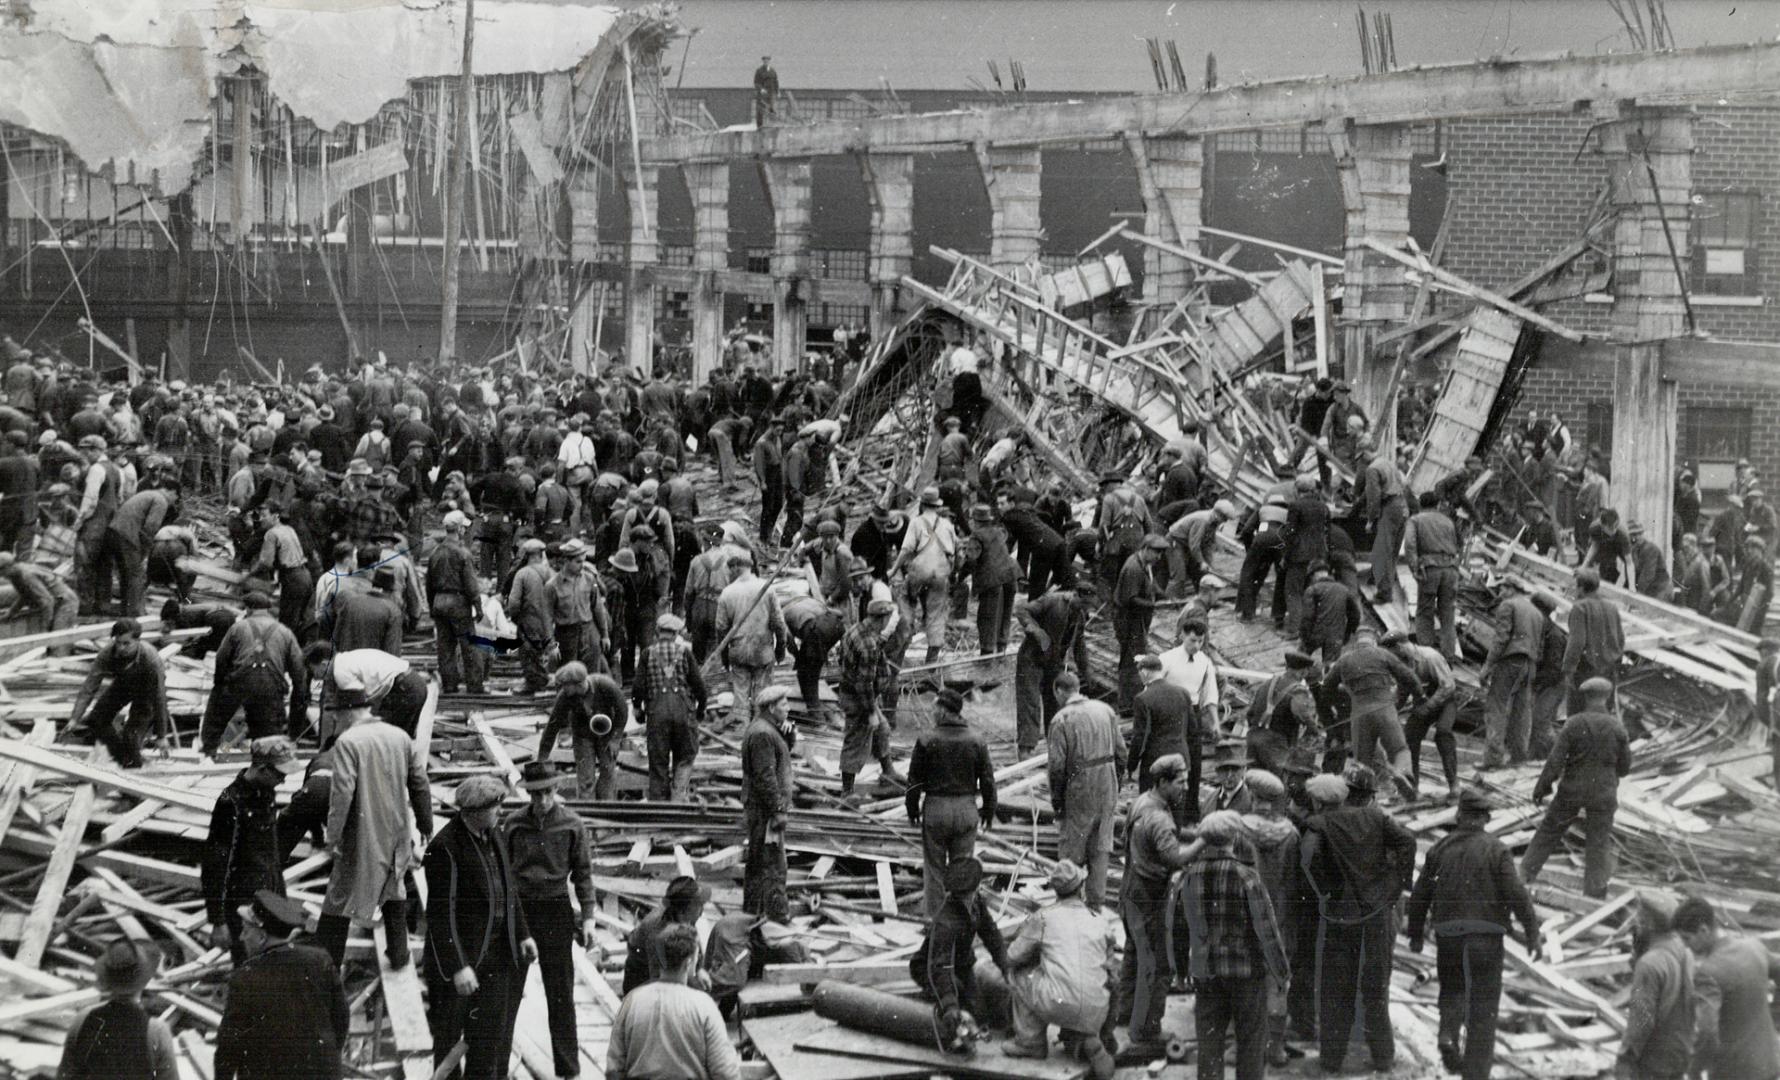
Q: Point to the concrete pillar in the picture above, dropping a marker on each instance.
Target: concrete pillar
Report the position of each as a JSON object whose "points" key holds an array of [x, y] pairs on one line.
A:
{"points": [[1373, 163], [1011, 174], [1169, 171], [644, 254], [584, 247], [1647, 299], [787, 182], [890, 185], [708, 184]]}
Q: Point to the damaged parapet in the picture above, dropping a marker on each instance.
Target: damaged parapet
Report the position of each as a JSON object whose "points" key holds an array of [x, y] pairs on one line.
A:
{"points": [[128, 87]]}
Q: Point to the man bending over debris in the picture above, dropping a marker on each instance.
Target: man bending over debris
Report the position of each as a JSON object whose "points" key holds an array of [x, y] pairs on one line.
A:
{"points": [[138, 679], [1065, 963]]}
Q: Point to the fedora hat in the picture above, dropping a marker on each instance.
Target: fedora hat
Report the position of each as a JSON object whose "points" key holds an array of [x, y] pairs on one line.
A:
{"points": [[539, 776]]}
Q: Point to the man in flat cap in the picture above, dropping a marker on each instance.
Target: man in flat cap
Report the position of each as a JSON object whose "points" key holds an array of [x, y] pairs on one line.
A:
{"points": [[767, 780], [1591, 755], [1064, 961], [669, 692], [456, 603], [1153, 852], [1470, 893], [949, 772], [478, 942], [286, 1014], [864, 671], [101, 493], [1237, 952]]}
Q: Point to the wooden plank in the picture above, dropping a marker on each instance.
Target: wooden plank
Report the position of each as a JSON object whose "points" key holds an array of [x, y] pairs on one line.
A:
{"points": [[495, 749], [18, 775], [32, 979], [117, 779], [16, 646], [861, 973], [987, 1061], [41, 922], [887, 888], [597, 985], [406, 1010], [1478, 292]]}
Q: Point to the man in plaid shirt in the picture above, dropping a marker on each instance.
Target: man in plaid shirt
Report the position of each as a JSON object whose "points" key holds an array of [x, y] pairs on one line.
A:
{"points": [[670, 693], [1236, 949], [864, 672]]}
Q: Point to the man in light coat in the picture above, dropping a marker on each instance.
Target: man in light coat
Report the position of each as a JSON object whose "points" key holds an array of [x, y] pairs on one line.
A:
{"points": [[378, 802], [929, 550], [1086, 768], [528, 605], [752, 629], [1065, 961]]}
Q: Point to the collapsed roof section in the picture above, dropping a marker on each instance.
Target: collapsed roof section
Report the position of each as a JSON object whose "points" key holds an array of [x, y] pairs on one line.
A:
{"points": [[128, 85]]}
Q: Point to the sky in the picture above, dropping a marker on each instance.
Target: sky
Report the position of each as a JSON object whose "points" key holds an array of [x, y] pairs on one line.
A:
{"points": [[1098, 45]]}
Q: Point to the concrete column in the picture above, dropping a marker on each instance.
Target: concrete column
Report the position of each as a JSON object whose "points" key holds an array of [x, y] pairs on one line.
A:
{"points": [[1373, 164], [1648, 305], [708, 183], [1011, 175], [1169, 172], [584, 247], [788, 188], [644, 254], [890, 185]]}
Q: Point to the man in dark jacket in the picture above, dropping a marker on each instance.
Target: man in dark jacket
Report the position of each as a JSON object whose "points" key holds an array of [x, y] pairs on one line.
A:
{"points": [[1471, 894], [286, 1016], [1373, 676], [1359, 860], [548, 845], [945, 965], [766, 803], [1306, 541], [1330, 614], [1508, 675], [949, 772], [1134, 600], [138, 679], [1597, 639], [478, 942], [1431, 548], [1164, 721], [1585, 766], [1153, 852], [259, 668], [682, 904], [1548, 679], [366, 620], [241, 853], [1734, 1029], [455, 602]]}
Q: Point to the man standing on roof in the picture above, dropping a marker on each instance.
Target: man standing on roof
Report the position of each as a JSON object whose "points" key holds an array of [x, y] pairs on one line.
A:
{"points": [[456, 602], [751, 630], [928, 554], [669, 691], [1388, 512], [1597, 639], [1431, 548], [1508, 674], [766, 92]]}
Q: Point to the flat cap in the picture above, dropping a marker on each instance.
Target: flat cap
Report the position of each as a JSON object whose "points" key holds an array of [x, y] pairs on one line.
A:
{"points": [[1327, 788], [668, 621], [879, 607], [1298, 661], [772, 695], [479, 793]]}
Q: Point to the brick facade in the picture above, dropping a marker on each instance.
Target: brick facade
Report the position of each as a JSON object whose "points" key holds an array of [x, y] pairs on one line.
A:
{"points": [[1582, 392], [1520, 188]]}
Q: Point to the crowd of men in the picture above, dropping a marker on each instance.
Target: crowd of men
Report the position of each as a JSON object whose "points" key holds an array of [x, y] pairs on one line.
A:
{"points": [[558, 521]]}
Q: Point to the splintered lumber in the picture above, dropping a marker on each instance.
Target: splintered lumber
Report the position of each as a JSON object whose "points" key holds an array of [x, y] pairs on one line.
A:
{"points": [[864, 973], [495, 749], [33, 979], [41, 922], [1476, 292], [24, 643], [116, 779]]}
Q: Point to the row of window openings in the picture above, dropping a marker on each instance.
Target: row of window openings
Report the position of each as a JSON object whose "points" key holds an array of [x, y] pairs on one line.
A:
{"points": [[1706, 434]]}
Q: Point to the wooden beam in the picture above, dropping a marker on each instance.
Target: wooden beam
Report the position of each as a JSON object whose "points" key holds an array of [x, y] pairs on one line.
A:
{"points": [[24, 643], [17, 776], [1423, 266], [118, 779], [42, 920], [1493, 88]]}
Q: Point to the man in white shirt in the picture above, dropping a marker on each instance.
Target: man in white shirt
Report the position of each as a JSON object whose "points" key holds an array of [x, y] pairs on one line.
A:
{"points": [[666, 1028], [578, 466], [1188, 667]]}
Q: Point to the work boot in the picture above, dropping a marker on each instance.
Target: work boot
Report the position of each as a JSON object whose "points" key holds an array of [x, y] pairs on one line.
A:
{"points": [[1451, 1057], [887, 773], [1276, 1042], [1100, 1063], [847, 783], [1014, 1048], [932, 655]]}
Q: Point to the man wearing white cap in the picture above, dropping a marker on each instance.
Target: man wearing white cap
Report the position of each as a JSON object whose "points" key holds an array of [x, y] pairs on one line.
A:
{"points": [[670, 694], [456, 603]]}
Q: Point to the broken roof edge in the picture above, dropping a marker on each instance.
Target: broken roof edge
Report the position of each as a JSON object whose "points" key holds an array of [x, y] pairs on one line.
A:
{"points": [[139, 112]]}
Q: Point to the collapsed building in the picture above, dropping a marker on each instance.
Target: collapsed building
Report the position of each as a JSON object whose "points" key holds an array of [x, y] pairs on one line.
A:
{"points": [[1097, 362]]}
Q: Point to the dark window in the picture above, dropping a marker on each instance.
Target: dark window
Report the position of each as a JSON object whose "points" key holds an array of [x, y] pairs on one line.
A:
{"points": [[759, 261], [1600, 428], [1715, 432], [1724, 251]]}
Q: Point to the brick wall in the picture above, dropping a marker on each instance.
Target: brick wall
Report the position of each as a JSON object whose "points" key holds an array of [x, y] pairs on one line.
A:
{"points": [[1520, 188], [1572, 388]]}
